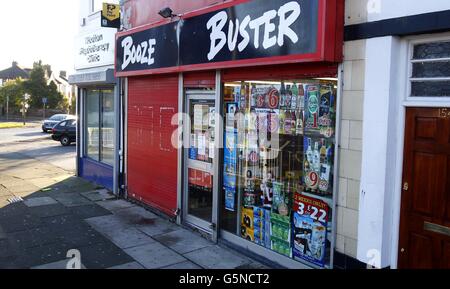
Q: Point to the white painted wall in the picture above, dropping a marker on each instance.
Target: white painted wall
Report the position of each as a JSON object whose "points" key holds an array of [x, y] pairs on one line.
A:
{"points": [[385, 78], [386, 9]]}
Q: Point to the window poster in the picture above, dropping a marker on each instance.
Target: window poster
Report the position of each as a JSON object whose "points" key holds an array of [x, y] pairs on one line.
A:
{"points": [[230, 170], [310, 221]]}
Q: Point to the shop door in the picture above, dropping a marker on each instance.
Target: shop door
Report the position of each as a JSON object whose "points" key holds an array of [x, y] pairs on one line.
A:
{"points": [[200, 162], [425, 214]]}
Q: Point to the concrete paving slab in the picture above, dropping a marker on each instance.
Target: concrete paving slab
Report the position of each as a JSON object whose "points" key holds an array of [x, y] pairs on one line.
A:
{"points": [[155, 227], [155, 255], [128, 266], [2, 233], [183, 241], [42, 182], [49, 210], [136, 215], [114, 205], [59, 265], [109, 221], [215, 257], [19, 223], [39, 201], [187, 265], [80, 236], [89, 211], [103, 255], [99, 195], [35, 237], [73, 200], [37, 256], [22, 188], [125, 237]]}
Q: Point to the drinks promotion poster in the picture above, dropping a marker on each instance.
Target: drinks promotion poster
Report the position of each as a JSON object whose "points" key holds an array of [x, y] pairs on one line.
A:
{"points": [[310, 229], [230, 170]]}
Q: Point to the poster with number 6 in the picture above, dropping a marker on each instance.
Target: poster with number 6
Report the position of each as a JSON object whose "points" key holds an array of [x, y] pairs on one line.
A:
{"points": [[311, 218]]}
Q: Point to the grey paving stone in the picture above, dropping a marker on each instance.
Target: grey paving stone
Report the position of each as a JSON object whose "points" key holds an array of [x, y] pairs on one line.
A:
{"points": [[73, 200], [2, 233], [99, 195], [187, 265], [136, 215], [39, 201], [62, 222], [103, 255], [44, 254], [158, 226], [49, 210], [125, 237], [114, 205], [59, 265], [33, 238], [183, 241], [19, 223], [154, 256], [80, 236], [89, 211], [128, 266], [109, 221], [215, 257]]}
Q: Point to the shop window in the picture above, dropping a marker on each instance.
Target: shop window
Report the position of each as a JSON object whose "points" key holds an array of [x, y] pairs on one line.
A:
{"points": [[430, 70], [92, 124], [100, 125], [107, 127], [279, 145]]}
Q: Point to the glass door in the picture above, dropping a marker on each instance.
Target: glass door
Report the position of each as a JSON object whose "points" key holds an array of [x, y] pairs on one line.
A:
{"points": [[200, 160]]}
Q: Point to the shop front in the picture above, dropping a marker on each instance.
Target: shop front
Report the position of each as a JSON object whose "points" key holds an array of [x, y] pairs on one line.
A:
{"points": [[231, 124], [98, 106]]}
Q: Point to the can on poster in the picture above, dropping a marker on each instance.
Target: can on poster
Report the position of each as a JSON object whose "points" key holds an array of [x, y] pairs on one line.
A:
{"points": [[309, 230], [312, 108], [327, 111]]}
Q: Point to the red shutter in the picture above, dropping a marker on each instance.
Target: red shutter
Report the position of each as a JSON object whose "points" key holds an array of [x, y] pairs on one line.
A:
{"points": [[152, 160], [201, 79]]}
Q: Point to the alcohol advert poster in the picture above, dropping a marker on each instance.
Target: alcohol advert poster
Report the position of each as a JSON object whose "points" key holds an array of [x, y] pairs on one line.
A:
{"points": [[310, 229], [230, 167]]}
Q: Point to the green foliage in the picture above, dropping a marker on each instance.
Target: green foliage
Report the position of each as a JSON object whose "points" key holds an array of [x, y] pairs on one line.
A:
{"points": [[15, 90], [36, 86]]}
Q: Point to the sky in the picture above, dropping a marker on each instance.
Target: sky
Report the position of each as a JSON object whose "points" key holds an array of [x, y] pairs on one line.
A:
{"points": [[38, 30]]}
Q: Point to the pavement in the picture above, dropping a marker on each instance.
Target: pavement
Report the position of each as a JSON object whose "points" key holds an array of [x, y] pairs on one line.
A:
{"points": [[62, 221]]}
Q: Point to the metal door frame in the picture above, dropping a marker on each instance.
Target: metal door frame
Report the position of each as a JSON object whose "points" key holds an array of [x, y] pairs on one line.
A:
{"points": [[202, 225]]}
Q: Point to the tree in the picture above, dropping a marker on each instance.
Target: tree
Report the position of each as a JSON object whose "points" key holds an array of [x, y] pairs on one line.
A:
{"points": [[37, 87], [54, 97], [15, 90]]}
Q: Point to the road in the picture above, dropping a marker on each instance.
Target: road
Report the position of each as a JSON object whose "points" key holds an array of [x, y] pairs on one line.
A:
{"points": [[30, 132], [33, 143]]}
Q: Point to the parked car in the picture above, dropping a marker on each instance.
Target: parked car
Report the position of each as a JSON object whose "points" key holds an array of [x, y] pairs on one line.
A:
{"points": [[65, 132], [48, 124]]}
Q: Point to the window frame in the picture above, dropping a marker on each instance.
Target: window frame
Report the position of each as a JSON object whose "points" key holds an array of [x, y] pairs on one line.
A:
{"points": [[100, 122], [410, 63]]}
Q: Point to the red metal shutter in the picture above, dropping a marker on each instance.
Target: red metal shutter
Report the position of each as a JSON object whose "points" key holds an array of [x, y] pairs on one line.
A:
{"points": [[152, 160], [200, 79]]}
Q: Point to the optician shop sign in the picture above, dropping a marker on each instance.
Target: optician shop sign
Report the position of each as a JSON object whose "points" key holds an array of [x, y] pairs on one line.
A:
{"points": [[259, 31], [95, 48]]}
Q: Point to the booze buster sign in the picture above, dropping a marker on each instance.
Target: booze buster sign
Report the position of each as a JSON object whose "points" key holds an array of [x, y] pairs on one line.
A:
{"points": [[250, 33]]}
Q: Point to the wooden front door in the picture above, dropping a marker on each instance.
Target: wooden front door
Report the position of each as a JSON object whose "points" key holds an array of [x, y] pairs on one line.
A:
{"points": [[425, 212]]}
